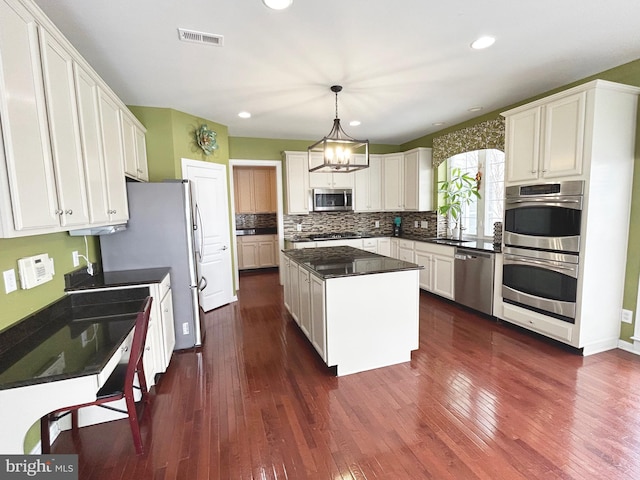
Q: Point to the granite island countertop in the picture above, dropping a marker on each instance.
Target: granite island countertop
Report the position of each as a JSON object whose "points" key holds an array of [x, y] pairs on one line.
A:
{"points": [[334, 262]]}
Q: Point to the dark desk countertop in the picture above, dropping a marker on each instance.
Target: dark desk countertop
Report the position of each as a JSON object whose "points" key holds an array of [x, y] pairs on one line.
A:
{"points": [[73, 337], [334, 262], [121, 278]]}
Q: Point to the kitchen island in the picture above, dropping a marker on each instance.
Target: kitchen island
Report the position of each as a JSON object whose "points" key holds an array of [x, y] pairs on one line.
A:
{"points": [[358, 309]]}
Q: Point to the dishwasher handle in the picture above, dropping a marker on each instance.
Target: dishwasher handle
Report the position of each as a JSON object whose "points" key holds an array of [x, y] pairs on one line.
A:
{"points": [[463, 254]]}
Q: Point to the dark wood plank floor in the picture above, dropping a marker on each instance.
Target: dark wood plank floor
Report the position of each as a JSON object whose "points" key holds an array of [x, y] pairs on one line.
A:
{"points": [[479, 400]]}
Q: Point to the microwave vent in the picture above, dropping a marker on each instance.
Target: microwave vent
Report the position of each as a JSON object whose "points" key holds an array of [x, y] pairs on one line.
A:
{"points": [[200, 37]]}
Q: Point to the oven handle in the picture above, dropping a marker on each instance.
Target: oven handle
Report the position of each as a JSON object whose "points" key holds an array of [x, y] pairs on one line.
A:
{"points": [[572, 271], [572, 203]]}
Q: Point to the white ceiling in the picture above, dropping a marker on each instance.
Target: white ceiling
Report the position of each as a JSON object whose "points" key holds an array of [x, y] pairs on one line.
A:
{"points": [[404, 65]]}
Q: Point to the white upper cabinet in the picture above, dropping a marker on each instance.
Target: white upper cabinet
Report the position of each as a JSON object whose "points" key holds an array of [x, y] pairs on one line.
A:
{"points": [[64, 131], [141, 154], [135, 151], [418, 180], [113, 153], [368, 186], [28, 199], [61, 148], [546, 140], [297, 182], [408, 180], [393, 178]]}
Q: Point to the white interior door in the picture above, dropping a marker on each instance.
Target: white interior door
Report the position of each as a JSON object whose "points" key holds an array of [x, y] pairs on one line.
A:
{"points": [[213, 234]]}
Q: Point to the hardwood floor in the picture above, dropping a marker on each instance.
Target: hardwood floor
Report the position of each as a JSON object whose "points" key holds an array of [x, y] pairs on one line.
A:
{"points": [[479, 400]]}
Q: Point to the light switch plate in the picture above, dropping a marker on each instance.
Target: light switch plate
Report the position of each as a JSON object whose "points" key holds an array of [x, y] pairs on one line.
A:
{"points": [[627, 316], [10, 284], [415, 224], [424, 224]]}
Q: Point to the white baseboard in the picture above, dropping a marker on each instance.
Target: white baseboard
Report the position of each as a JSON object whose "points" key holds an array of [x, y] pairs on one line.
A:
{"points": [[629, 346]]}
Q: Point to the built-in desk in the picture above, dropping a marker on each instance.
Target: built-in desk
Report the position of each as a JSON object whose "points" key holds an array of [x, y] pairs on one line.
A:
{"points": [[60, 356]]}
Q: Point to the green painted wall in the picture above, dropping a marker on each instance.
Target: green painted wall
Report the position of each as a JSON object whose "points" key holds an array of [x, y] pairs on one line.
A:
{"points": [[19, 304]]}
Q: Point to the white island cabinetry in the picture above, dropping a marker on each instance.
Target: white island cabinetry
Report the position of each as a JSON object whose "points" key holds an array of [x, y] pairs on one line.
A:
{"points": [[355, 320]]}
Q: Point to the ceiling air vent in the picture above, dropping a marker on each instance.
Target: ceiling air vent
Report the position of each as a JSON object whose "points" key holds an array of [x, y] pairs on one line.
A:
{"points": [[200, 37]]}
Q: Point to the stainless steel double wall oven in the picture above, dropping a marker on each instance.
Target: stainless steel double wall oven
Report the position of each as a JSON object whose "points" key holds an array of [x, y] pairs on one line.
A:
{"points": [[542, 247]]}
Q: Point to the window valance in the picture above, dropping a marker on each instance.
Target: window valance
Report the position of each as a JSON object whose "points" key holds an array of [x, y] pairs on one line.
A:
{"points": [[488, 134]]}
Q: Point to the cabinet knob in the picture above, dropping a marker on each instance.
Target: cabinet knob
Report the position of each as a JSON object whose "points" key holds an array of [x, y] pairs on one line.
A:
{"points": [[533, 171], [58, 212], [68, 212], [125, 348], [139, 170]]}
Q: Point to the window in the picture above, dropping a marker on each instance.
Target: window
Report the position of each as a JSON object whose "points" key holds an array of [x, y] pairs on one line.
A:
{"points": [[478, 218]]}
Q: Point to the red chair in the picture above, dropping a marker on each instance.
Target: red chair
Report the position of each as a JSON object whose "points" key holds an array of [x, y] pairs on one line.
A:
{"points": [[119, 385]]}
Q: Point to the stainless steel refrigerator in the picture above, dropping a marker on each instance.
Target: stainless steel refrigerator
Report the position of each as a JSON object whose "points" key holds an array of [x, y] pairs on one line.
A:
{"points": [[160, 233]]}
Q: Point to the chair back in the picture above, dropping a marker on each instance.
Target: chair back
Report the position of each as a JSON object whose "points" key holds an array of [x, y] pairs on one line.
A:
{"points": [[137, 345]]}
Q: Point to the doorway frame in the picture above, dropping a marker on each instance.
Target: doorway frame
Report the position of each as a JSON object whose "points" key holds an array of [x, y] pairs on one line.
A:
{"points": [[280, 204]]}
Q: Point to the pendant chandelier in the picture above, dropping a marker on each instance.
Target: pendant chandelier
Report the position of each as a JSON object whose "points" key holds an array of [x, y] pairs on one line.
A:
{"points": [[338, 152]]}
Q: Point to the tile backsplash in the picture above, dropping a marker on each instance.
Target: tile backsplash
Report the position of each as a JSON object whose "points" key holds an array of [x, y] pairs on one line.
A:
{"points": [[363, 223], [256, 220]]}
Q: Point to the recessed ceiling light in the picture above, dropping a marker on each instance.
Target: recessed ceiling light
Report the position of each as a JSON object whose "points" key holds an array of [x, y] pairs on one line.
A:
{"points": [[354, 123], [244, 115], [278, 4], [483, 42], [475, 109], [438, 124]]}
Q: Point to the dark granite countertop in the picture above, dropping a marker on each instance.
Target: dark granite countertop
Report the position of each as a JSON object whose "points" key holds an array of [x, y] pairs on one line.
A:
{"points": [[256, 231], [471, 243], [73, 337], [334, 262], [80, 280]]}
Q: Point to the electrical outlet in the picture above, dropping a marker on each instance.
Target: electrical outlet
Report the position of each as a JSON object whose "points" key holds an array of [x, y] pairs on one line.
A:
{"points": [[10, 284], [185, 328], [377, 224], [76, 258], [424, 224], [415, 224], [627, 316], [298, 227]]}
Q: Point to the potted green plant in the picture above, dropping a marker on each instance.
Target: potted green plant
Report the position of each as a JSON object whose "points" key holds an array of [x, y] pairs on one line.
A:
{"points": [[460, 190]]}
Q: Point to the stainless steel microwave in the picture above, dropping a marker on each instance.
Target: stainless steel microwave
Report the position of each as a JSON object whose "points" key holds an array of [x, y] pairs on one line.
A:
{"points": [[331, 200]]}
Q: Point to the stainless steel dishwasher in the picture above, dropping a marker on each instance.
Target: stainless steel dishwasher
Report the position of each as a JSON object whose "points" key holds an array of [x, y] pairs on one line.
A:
{"points": [[474, 279]]}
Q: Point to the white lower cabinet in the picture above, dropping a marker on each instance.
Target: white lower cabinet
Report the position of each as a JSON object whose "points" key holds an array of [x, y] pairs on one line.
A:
{"points": [[438, 273], [384, 246], [425, 260], [304, 287], [304, 299], [294, 304], [318, 322], [443, 275], [284, 279], [405, 250], [161, 337]]}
